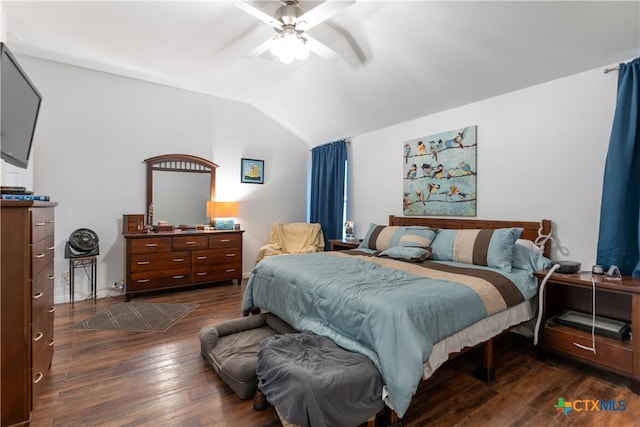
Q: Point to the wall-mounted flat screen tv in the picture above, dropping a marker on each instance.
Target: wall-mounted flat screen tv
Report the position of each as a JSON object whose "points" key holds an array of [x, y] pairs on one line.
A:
{"points": [[18, 111]]}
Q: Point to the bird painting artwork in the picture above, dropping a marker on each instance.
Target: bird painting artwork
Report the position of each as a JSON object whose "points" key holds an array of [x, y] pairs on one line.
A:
{"points": [[447, 185], [413, 172]]}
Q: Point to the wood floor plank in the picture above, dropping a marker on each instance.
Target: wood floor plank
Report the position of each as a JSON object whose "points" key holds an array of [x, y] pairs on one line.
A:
{"points": [[120, 378]]}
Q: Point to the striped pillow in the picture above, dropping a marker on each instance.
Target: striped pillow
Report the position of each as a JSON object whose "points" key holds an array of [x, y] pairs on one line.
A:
{"points": [[382, 237], [492, 248]]}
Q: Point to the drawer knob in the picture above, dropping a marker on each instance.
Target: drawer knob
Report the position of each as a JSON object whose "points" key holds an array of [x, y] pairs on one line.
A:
{"points": [[230, 255], [39, 377], [178, 259], [190, 242], [38, 295], [230, 270], [40, 224], [52, 277], [40, 256], [52, 309], [50, 248], [179, 276], [225, 240], [143, 280], [202, 274], [52, 342], [151, 245], [201, 257], [38, 336], [143, 262]]}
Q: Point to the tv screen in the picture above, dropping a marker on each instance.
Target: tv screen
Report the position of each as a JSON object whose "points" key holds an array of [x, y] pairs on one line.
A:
{"points": [[18, 111]]}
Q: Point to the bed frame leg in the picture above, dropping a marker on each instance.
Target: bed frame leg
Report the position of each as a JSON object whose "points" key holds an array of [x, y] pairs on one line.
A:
{"points": [[485, 371]]}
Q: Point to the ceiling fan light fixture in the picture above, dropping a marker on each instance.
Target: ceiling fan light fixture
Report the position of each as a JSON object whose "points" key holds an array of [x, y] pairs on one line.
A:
{"points": [[286, 56], [276, 45], [289, 45]]}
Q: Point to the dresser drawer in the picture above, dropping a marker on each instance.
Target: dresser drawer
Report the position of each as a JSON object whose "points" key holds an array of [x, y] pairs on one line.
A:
{"points": [[225, 240], [215, 256], [150, 245], [211, 273], [611, 353], [42, 292], [160, 261], [159, 279], [190, 243], [42, 351], [42, 253], [42, 223]]}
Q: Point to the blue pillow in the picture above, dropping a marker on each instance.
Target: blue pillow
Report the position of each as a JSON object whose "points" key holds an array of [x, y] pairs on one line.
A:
{"points": [[526, 259], [417, 237], [381, 237], [407, 253], [492, 248]]}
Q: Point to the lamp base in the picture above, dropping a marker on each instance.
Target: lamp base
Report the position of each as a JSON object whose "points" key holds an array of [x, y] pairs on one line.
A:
{"points": [[223, 224]]}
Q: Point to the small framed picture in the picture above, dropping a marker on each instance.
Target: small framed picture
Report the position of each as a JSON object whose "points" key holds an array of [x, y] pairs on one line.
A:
{"points": [[349, 231], [252, 171]]}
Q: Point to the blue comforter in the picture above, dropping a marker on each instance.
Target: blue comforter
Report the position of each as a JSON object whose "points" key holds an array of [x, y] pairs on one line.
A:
{"points": [[391, 311]]}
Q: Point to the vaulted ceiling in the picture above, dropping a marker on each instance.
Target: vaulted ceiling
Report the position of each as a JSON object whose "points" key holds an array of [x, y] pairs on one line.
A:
{"points": [[398, 60]]}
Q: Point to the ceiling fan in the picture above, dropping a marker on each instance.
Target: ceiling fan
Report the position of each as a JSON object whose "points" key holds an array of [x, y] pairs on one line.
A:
{"points": [[291, 24]]}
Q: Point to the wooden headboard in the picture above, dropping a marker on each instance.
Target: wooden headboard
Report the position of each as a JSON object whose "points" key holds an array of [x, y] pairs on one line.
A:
{"points": [[531, 230]]}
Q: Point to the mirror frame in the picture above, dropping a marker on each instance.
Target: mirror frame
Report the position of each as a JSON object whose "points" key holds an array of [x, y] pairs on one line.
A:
{"points": [[177, 163]]}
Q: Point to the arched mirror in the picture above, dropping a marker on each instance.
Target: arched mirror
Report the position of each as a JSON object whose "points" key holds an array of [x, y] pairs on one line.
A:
{"points": [[178, 189]]}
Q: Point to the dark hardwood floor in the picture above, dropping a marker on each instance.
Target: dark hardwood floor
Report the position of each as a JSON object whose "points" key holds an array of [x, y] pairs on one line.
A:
{"points": [[116, 378]]}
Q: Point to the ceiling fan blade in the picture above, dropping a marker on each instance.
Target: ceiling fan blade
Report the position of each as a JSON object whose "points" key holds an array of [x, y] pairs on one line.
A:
{"points": [[257, 13], [321, 13], [320, 49], [340, 43]]}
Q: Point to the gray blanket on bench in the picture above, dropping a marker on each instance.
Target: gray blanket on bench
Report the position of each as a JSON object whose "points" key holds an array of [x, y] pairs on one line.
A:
{"points": [[313, 382]]}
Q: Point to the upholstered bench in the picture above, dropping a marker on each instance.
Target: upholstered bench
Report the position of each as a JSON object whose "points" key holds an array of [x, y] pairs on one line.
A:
{"points": [[231, 348], [312, 381]]}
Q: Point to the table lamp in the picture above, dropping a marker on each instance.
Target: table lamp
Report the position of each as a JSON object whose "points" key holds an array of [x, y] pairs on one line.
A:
{"points": [[222, 214]]}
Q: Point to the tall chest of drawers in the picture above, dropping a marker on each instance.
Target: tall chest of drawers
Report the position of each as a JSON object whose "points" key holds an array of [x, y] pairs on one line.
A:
{"points": [[27, 308], [170, 260]]}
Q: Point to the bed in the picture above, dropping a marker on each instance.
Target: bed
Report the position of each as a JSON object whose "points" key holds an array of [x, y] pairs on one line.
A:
{"points": [[406, 312]]}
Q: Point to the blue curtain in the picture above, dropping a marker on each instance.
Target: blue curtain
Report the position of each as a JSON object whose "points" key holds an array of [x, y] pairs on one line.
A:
{"points": [[619, 237], [327, 188]]}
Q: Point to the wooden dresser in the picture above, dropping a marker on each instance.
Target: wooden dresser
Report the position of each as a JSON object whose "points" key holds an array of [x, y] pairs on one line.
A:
{"points": [[27, 308], [170, 260]]}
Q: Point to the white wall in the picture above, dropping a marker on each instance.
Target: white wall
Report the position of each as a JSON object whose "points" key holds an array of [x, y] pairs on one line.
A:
{"points": [[94, 131], [541, 154]]}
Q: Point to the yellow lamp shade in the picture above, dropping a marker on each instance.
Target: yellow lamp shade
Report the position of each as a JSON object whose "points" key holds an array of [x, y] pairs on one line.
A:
{"points": [[222, 209]]}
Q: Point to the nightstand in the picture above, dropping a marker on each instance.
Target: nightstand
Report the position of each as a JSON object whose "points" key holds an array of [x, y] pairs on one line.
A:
{"points": [[341, 245], [619, 300]]}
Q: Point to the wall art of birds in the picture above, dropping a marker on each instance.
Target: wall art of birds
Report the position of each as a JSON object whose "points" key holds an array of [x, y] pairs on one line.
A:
{"points": [[432, 189], [413, 171]]}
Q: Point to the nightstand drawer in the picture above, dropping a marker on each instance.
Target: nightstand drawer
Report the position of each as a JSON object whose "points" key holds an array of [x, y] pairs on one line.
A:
{"points": [[613, 354]]}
